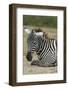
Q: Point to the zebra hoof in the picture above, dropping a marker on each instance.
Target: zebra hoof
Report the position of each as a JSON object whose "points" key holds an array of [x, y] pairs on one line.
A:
{"points": [[35, 62], [54, 64]]}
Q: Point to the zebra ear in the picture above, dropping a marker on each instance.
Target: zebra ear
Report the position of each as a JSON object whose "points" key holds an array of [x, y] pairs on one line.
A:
{"points": [[39, 33], [27, 31]]}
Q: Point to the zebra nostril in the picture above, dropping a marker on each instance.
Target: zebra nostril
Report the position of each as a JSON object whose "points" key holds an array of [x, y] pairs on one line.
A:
{"points": [[29, 56]]}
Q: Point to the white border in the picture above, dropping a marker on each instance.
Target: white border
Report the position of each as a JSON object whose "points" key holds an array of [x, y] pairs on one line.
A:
{"points": [[38, 77]]}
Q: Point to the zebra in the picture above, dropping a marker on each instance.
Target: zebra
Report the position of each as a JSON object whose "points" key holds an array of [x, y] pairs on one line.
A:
{"points": [[45, 48]]}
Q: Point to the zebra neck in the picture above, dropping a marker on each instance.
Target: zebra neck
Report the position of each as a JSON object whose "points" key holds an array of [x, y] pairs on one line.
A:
{"points": [[41, 44]]}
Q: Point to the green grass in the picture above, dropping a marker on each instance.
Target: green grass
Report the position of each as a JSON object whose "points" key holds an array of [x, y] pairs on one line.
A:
{"points": [[43, 21]]}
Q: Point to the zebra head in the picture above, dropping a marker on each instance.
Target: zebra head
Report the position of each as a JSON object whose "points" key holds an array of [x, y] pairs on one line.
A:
{"points": [[32, 42]]}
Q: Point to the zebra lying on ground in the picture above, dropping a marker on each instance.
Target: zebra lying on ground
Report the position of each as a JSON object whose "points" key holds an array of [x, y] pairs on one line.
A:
{"points": [[45, 48]]}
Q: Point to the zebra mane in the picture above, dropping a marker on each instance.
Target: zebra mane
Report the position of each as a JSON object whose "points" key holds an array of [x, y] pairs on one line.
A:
{"points": [[44, 34], [38, 30]]}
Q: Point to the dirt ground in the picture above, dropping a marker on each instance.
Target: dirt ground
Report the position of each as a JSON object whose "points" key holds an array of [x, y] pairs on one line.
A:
{"points": [[27, 67]]}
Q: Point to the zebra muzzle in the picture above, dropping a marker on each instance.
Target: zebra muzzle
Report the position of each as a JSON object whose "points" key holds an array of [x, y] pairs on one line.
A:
{"points": [[29, 56]]}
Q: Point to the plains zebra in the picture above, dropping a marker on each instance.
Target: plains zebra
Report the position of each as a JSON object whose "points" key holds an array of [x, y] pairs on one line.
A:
{"points": [[45, 48]]}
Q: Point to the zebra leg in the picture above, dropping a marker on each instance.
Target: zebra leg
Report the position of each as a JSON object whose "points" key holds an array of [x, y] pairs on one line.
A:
{"points": [[41, 64], [46, 65], [55, 63], [38, 63]]}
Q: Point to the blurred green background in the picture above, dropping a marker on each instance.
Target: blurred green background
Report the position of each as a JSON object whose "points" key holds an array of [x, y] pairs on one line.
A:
{"points": [[42, 21]]}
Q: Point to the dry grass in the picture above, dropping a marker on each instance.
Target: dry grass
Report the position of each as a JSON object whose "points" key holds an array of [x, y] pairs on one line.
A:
{"points": [[28, 69]]}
